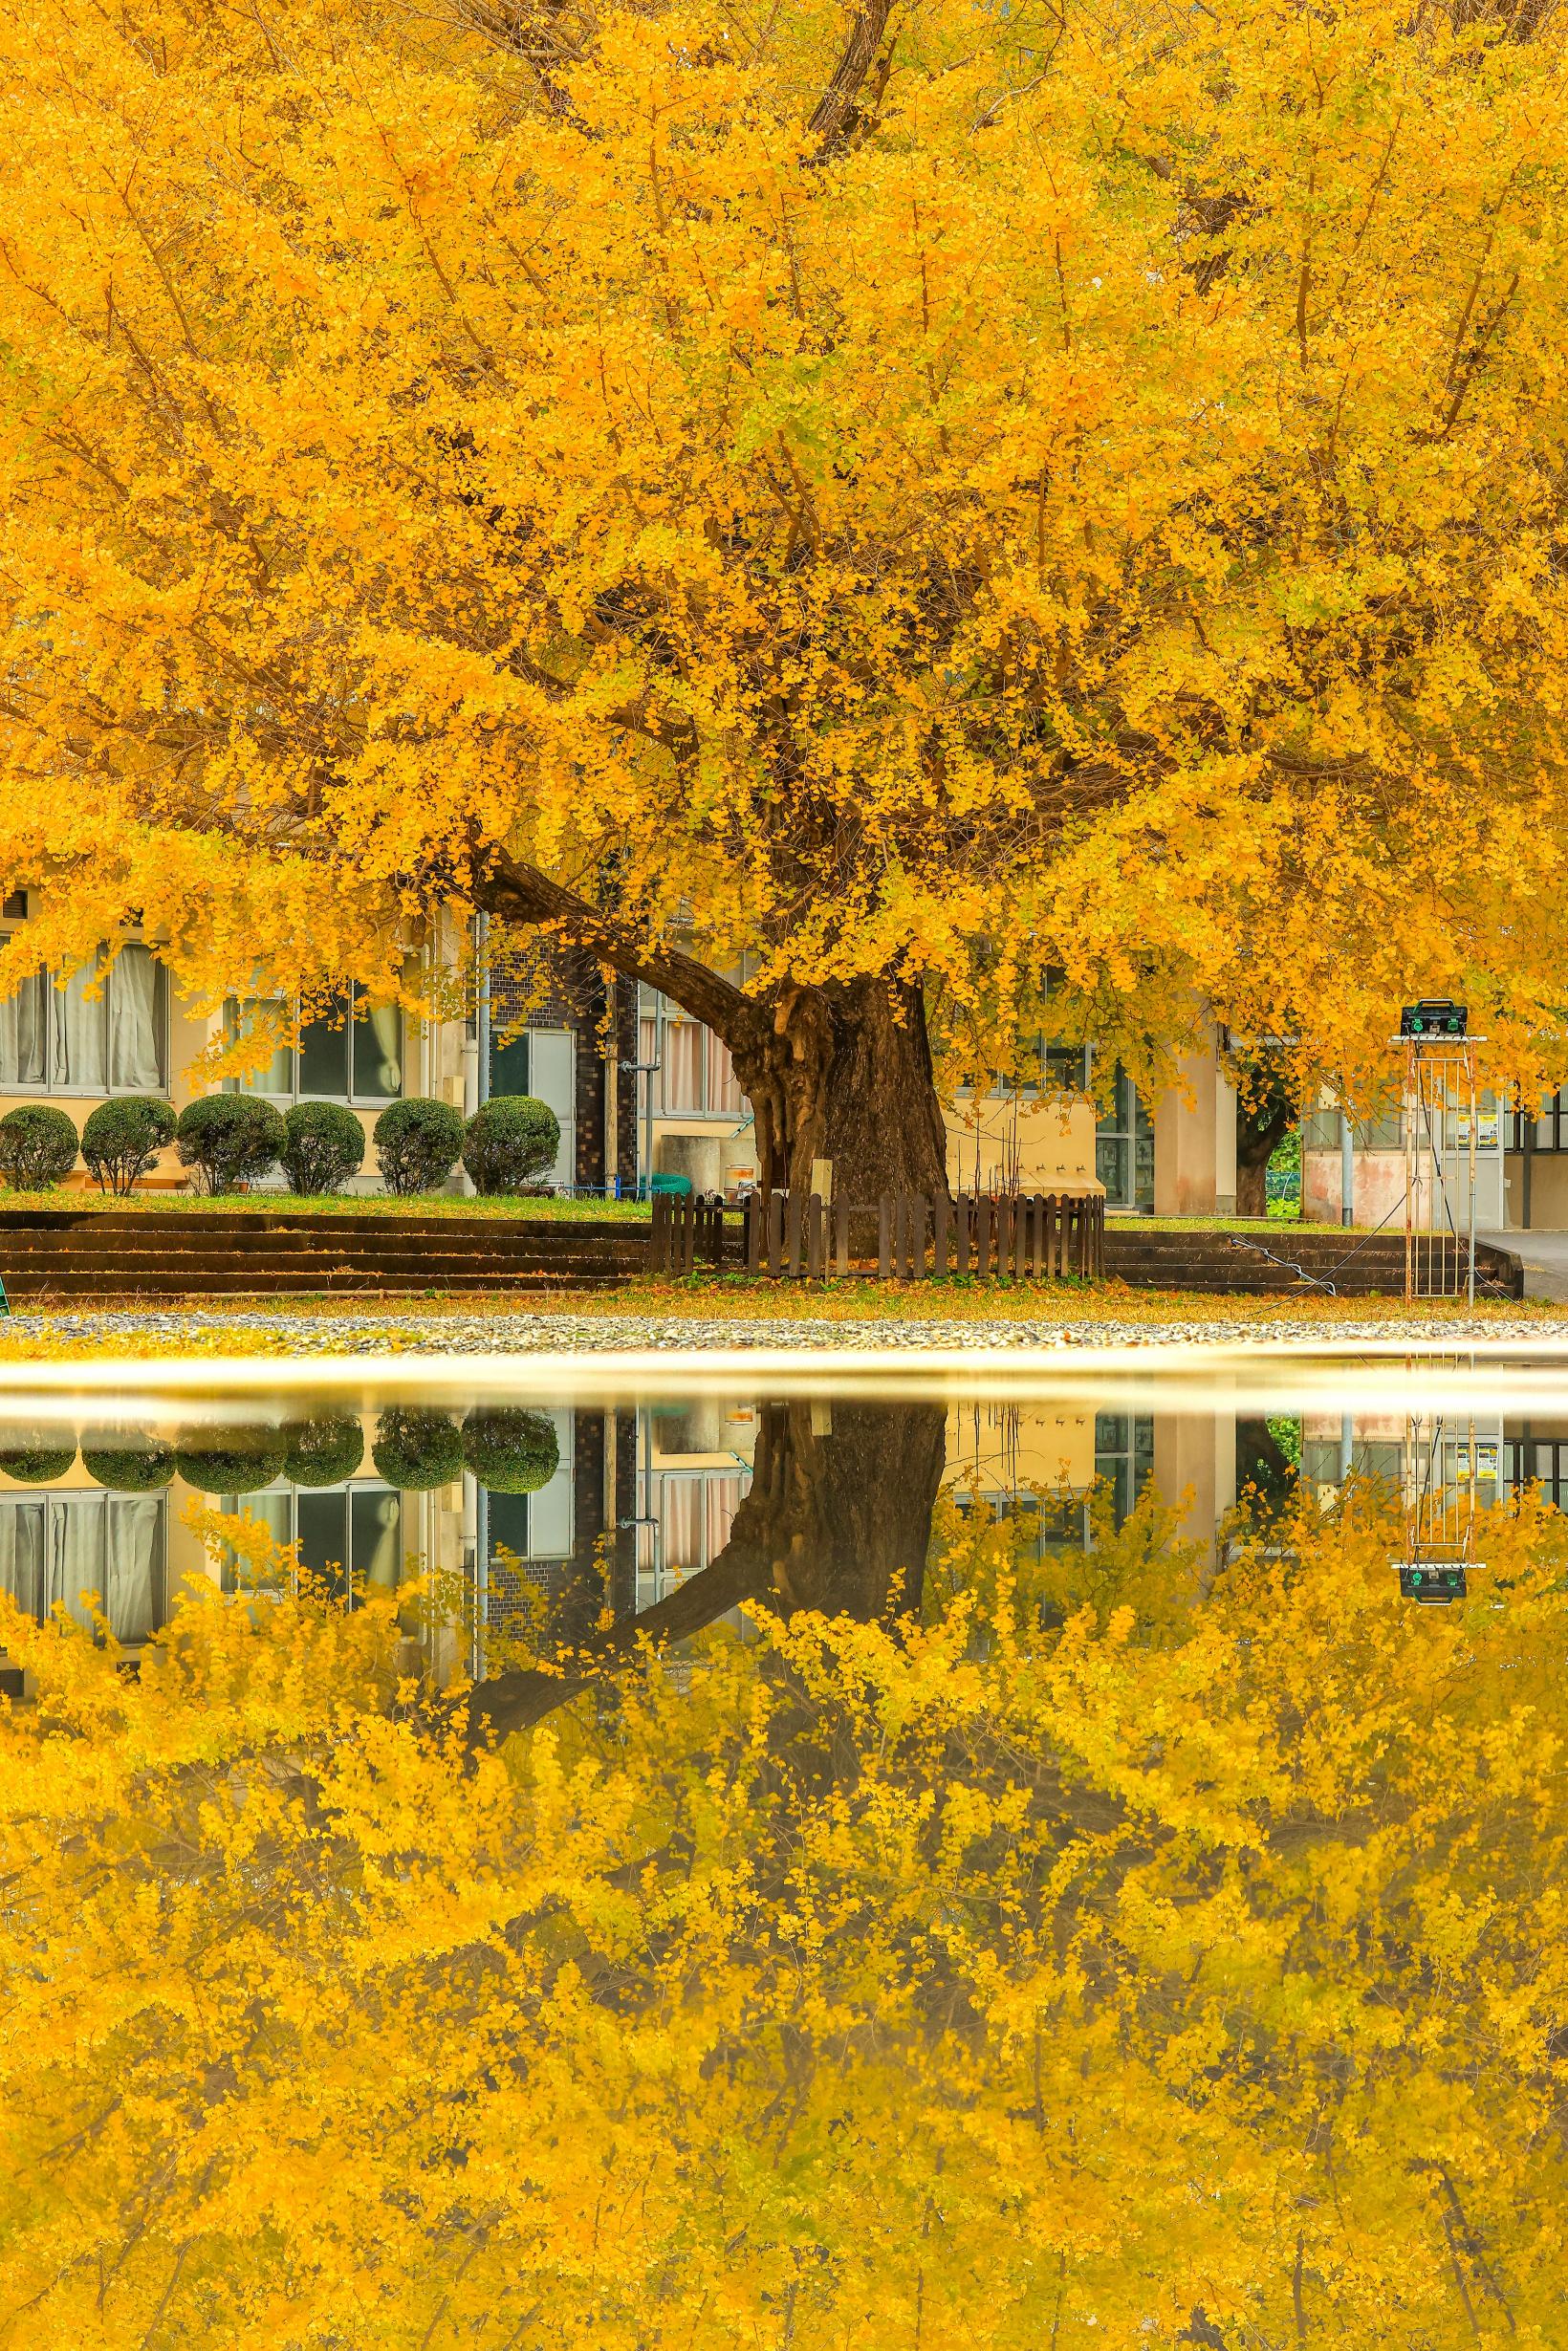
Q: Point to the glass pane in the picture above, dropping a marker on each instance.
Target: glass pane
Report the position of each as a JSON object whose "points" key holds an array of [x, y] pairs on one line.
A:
{"points": [[723, 1085], [1320, 1130], [1144, 1167], [550, 1510], [1066, 1070], [73, 1565], [275, 1512], [377, 1050], [133, 1565], [23, 1020], [22, 1554], [274, 1076], [1111, 1167], [80, 1034], [683, 1065], [322, 1522], [508, 1065], [136, 1022], [374, 1548], [323, 1053]]}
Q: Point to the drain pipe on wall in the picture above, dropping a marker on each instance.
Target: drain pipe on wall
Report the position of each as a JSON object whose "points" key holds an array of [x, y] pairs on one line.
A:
{"points": [[1347, 1169]]}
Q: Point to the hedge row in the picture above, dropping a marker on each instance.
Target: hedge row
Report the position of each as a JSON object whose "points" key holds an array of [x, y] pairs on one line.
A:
{"points": [[231, 1140], [508, 1449]]}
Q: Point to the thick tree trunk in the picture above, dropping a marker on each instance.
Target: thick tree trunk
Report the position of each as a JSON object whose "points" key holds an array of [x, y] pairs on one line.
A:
{"points": [[844, 1073], [1255, 1146], [838, 1519], [841, 1072]]}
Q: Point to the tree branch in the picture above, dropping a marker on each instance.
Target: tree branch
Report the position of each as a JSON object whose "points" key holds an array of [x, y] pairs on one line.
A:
{"points": [[522, 893]]}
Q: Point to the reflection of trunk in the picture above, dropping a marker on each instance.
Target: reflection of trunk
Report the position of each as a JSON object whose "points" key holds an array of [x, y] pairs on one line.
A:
{"points": [[839, 1071], [838, 1520]]}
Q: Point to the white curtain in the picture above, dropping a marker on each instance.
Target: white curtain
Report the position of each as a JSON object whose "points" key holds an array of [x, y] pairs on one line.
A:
{"points": [[22, 1553], [373, 1538], [82, 1033], [378, 1049], [683, 1065], [723, 1085], [22, 1019], [135, 1057], [111, 1546], [133, 1558]]}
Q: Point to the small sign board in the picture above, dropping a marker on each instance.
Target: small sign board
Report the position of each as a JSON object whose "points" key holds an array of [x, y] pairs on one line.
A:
{"points": [[1434, 1016], [1420, 1580]]}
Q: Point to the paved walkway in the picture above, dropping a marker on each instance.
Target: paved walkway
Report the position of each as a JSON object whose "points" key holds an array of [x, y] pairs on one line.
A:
{"points": [[1544, 1256]]}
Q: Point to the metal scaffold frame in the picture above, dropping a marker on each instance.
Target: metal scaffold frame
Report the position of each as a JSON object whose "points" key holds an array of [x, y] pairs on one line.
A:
{"points": [[1440, 1083]]}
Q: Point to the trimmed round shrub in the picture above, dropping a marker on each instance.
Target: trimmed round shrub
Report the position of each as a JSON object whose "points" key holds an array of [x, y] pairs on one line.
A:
{"points": [[122, 1139], [231, 1460], [510, 1142], [510, 1452], [416, 1451], [39, 1145], [128, 1464], [322, 1452], [420, 1141], [325, 1146], [230, 1139], [40, 1461]]}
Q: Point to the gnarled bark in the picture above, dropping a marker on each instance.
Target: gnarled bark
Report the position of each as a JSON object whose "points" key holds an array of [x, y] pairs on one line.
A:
{"points": [[838, 1518]]}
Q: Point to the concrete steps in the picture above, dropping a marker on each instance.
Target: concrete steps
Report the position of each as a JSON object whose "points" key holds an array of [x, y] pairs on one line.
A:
{"points": [[81, 1256]]}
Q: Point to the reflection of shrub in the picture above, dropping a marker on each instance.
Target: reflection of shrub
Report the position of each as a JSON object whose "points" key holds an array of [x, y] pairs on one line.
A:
{"points": [[325, 1146], [230, 1139], [415, 1451], [137, 1468], [510, 1144], [418, 1141], [322, 1452], [122, 1139], [229, 1460], [37, 1146], [510, 1452], [38, 1463]]}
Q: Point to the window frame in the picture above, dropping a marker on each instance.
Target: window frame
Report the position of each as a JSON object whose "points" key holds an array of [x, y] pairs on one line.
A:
{"points": [[294, 1092], [30, 1090]]}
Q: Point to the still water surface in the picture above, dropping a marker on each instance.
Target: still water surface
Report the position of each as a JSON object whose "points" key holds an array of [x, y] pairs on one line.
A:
{"points": [[1063, 1854]]}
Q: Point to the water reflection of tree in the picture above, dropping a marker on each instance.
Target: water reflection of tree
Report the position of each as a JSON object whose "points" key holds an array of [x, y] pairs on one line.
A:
{"points": [[838, 1517], [1072, 1959]]}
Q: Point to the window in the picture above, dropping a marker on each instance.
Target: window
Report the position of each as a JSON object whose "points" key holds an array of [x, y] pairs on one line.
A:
{"points": [[348, 1534], [1550, 1128], [62, 1039], [690, 1515], [697, 1079], [1320, 1131], [54, 1547], [351, 1053], [1125, 1147]]}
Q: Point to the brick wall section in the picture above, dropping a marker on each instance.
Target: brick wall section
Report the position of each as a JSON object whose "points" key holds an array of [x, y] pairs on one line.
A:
{"points": [[574, 998]]}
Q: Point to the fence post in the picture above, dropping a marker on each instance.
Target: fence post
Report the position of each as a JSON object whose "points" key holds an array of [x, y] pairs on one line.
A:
{"points": [[961, 1249], [775, 1234], [794, 1221], [816, 1237], [754, 1234], [982, 1234], [882, 1236], [840, 1235], [942, 1217], [656, 1236]]}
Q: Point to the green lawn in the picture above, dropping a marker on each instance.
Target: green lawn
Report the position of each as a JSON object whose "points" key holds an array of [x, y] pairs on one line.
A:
{"points": [[337, 1204]]}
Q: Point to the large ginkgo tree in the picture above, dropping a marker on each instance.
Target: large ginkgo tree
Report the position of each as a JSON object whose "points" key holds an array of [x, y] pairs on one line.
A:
{"points": [[848, 514]]}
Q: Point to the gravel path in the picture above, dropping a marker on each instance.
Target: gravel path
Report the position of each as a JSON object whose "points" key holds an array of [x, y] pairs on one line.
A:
{"points": [[394, 1333]]}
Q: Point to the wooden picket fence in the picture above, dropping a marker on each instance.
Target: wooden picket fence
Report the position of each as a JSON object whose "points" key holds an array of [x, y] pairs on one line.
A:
{"points": [[1023, 1236]]}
